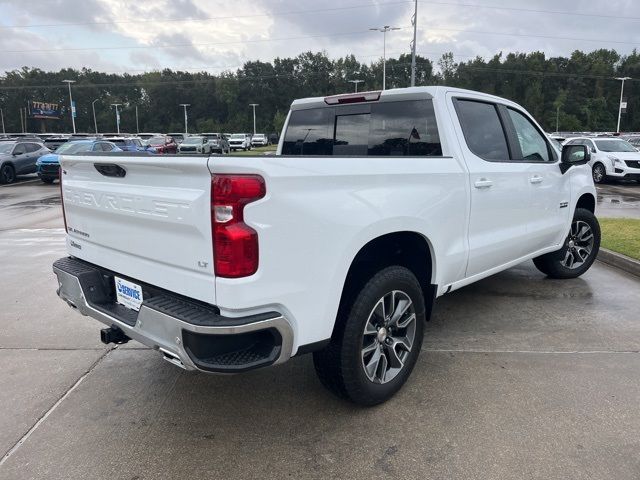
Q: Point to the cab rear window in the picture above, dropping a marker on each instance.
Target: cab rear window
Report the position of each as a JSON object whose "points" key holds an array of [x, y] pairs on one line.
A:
{"points": [[406, 128]]}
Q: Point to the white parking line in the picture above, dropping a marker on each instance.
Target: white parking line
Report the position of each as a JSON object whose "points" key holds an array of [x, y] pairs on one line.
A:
{"points": [[21, 183], [53, 407]]}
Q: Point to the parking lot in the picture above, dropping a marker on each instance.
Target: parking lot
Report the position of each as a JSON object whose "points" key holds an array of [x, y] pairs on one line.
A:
{"points": [[520, 377]]}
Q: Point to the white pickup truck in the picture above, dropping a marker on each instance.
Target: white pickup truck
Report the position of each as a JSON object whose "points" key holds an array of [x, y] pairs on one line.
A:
{"points": [[374, 205]]}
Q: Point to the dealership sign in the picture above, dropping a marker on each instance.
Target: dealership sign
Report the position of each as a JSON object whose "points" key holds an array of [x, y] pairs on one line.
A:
{"points": [[44, 110]]}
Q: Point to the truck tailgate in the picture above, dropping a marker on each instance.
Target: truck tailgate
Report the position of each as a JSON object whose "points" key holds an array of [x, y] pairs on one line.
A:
{"points": [[152, 224]]}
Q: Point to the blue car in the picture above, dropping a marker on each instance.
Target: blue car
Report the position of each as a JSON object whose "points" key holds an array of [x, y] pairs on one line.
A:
{"points": [[48, 166]]}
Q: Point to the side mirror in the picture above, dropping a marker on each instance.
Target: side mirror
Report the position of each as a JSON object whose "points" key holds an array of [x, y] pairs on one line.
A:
{"points": [[573, 155]]}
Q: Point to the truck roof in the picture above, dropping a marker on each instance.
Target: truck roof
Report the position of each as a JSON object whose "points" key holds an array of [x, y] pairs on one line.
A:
{"points": [[394, 94]]}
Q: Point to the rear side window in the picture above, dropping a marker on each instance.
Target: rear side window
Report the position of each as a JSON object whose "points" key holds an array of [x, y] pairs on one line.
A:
{"points": [[405, 128], [482, 129], [32, 147]]}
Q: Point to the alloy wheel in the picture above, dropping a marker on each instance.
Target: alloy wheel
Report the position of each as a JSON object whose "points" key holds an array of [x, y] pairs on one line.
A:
{"points": [[389, 335], [579, 245], [598, 173]]}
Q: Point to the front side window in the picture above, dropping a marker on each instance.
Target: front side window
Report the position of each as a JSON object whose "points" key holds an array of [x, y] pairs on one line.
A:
{"points": [[533, 146], [20, 149], [482, 129]]}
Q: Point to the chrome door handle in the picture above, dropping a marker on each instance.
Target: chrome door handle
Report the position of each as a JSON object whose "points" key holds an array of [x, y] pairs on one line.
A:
{"points": [[483, 183], [536, 179]]}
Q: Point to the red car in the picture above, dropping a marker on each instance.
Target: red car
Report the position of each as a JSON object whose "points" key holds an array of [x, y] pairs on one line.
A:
{"points": [[164, 144]]}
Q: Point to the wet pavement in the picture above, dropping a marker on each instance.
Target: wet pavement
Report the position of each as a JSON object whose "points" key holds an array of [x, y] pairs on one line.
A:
{"points": [[618, 200], [520, 377]]}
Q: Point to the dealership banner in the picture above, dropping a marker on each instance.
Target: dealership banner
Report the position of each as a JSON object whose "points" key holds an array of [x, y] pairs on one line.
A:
{"points": [[44, 110]]}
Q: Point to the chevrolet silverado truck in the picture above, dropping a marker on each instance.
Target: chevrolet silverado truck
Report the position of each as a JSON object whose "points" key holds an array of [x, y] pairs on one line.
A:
{"points": [[374, 205]]}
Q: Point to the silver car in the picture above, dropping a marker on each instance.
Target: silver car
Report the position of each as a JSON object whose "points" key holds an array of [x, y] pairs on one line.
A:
{"points": [[19, 158]]}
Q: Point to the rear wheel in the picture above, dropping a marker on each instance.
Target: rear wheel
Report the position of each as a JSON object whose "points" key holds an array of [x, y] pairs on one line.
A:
{"points": [[48, 180], [579, 250], [599, 173], [376, 341], [7, 174]]}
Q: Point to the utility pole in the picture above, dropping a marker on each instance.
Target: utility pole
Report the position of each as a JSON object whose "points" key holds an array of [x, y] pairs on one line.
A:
{"points": [[623, 79], [384, 31], [71, 104], [414, 22], [93, 107], [21, 121], [117, 116], [356, 82], [137, 126], [2, 117], [185, 105], [557, 118], [254, 105]]}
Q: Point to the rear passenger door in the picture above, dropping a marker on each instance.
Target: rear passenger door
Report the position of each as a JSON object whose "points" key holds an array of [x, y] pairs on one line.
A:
{"points": [[499, 185]]}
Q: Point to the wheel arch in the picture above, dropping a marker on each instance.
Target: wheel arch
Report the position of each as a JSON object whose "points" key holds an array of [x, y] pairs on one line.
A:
{"points": [[409, 249], [587, 201]]}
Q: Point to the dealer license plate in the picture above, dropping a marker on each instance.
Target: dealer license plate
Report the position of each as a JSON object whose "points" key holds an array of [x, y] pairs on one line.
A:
{"points": [[128, 293]]}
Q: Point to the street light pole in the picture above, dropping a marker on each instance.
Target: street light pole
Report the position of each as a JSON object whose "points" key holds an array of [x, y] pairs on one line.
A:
{"points": [[384, 31], [2, 117], [137, 126], [557, 118], [73, 109], [414, 22], [623, 79], [93, 107], [356, 82], [185, 105], [254, 105], [117, 116]]}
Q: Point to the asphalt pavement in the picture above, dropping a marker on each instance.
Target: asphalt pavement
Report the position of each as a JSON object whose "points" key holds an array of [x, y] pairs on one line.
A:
{"points": [[519, 377]]}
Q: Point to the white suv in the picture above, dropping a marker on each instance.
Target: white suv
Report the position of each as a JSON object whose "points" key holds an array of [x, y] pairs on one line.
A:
{"points": [[610, 158]]}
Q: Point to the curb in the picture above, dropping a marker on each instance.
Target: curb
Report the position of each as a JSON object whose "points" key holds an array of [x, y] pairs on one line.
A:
{"points": [[620, 261]]}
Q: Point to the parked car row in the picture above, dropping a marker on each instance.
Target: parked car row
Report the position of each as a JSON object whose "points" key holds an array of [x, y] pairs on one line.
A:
{"points": [[22, 154]]}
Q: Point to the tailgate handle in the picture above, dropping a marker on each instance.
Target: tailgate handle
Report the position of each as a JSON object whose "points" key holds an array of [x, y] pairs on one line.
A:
{"points": [[110, 169]]}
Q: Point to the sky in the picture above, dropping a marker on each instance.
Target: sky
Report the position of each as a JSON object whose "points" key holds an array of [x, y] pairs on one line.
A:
{"points": [[125, 36]]}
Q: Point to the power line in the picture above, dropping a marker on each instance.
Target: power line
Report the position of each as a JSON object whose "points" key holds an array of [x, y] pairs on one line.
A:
{"points": [[182, 45], [329, 35], [207, 19], [318, 10], [142, 83], [532, 10], [551, 37]]}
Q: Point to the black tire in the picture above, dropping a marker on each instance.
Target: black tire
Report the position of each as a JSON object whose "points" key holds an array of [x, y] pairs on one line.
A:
{"points": [[7, 174], [599, 173], [340, 366], [554, 264], [48, 180]]}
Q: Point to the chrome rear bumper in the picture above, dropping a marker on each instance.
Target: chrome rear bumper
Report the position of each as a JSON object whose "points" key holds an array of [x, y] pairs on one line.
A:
{"points": [[188, 334]]}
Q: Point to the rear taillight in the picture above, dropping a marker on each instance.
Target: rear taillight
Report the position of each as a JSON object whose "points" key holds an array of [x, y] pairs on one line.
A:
{"points": [[235, 244], [64, 217]]}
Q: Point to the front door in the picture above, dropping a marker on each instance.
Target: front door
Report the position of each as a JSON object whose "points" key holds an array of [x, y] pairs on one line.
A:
{"points": [[500, 195], [549, 189]]}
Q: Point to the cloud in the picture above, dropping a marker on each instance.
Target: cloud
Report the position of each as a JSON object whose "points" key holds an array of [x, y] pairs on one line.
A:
{"points": [[265, 29]]}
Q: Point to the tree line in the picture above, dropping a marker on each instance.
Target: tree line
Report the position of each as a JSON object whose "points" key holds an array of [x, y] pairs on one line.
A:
{"points": [[576, 93]]}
